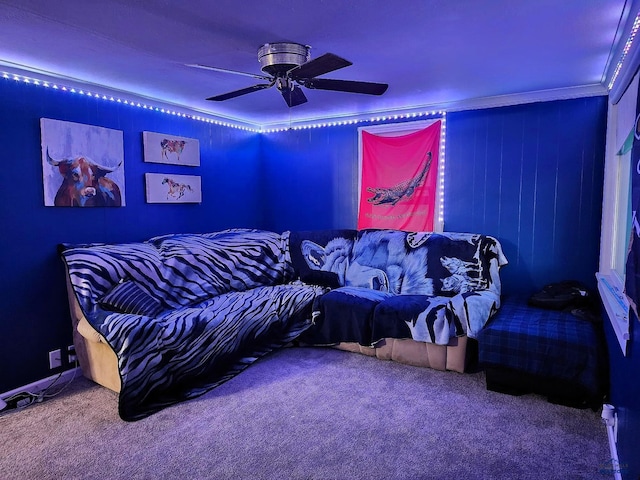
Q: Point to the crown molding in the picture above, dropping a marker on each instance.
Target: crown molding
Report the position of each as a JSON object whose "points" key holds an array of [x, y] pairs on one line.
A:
{"points": [[37, 77]]}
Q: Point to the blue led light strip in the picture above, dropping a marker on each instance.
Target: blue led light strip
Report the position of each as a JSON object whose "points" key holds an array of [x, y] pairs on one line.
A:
{"points": [[374, 119], [147, 106], [110, 98], [625, 50]]}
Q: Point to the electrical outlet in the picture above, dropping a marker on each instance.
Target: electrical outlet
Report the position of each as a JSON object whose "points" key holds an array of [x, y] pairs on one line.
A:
{"points": [[71, 354], [55, 359]]}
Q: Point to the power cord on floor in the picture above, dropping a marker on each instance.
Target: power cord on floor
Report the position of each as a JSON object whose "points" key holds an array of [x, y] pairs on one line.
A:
{"points": [[21, 400]]}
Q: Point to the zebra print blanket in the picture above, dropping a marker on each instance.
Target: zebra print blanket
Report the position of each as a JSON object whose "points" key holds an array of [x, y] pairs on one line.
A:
{"points": [[201, 308]]}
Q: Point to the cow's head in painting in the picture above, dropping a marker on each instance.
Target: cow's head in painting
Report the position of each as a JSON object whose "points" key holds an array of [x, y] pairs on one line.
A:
{"points": [[84, 183]]}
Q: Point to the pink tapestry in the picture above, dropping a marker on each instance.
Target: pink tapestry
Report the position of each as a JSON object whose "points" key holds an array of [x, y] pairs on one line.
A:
{"points": [[399, 180]]}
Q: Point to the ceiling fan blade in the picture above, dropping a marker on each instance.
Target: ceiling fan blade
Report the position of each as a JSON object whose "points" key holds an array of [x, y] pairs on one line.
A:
{"points": [[318, 66], [242, 91], [224, 70], [368, 88], [293, 96]]}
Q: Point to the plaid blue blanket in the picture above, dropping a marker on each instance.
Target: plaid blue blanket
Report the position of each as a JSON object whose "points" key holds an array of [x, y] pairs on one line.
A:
{"points": [[546, 343]]}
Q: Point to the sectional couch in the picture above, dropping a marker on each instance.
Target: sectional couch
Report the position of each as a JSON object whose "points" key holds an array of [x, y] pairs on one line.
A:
{"points": [[170, 318]]}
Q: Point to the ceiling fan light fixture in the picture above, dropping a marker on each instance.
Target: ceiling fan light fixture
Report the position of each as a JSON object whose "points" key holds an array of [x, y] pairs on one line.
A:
{"points": [[281, 57], [288, 64]]}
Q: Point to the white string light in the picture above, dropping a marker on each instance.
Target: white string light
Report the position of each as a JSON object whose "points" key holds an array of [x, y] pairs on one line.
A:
{"points": [[323, 124], [318, 124], [338, 123], [625, 50], [443, 136], [72, 90]]}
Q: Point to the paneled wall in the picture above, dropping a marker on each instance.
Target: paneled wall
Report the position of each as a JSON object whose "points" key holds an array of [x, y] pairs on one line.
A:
{"points": [[532, 176], [34, 315], [311, 178], [625, 395]]}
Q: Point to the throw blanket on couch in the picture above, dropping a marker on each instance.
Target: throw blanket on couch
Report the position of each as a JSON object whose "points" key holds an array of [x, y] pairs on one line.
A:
{"points": [[184, 313], [422, 285]]}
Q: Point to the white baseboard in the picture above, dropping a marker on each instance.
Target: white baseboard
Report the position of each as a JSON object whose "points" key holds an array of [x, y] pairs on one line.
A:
{"points": [[610, 420], [43, 384]]}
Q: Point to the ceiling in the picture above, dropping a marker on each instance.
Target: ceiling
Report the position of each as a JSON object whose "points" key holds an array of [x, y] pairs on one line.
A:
{"points": [[433, 53]]}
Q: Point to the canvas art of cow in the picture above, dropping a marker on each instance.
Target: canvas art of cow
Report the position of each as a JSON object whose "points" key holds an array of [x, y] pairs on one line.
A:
{"points": [[172, 146], [84, 183]]}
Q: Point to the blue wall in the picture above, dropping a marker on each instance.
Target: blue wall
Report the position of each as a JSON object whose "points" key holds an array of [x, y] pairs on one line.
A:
{"points": [[530, 175], [34, 317], [311, 178], [625, 396]]}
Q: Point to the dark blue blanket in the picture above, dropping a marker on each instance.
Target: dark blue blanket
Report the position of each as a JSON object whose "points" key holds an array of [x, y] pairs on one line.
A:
{"points": [[546, 343]]}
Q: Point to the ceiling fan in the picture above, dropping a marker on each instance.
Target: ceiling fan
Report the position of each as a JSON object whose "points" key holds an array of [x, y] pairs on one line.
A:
{"points": [[288, 67]]}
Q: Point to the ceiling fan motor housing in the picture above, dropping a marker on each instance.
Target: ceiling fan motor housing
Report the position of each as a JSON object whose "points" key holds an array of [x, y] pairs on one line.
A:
{"points": [[289, 68], [278, 58]]}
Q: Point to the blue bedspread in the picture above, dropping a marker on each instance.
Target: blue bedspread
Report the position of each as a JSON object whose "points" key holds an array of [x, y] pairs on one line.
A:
{"points": [[545, 343]]}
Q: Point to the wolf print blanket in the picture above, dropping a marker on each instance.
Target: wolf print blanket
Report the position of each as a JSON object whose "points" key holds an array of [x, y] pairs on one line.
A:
{"points": [[438, 285]]}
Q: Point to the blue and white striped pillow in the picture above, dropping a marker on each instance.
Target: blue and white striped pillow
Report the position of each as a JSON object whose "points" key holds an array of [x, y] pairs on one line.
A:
{"points": [[127, 297]]}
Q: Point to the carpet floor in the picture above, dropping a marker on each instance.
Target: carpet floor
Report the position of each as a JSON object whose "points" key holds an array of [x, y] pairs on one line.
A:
{"points": [[310, 413]]}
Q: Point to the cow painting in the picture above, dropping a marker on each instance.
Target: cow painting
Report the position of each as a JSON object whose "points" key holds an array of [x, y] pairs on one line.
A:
{"points": [[84, 183], [172, 146]]}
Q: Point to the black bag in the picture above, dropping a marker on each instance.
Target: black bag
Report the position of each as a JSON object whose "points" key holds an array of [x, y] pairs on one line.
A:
{"points": [[561, 296]]}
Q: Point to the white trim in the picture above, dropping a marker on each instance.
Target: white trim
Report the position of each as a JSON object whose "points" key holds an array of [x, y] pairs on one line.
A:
{"points": [[594, 90], [612, 247], [389, 114], [621, 120], [397, 129], [610, 197], [405, 128], [610, 419], [36, 76], [617, 306]]}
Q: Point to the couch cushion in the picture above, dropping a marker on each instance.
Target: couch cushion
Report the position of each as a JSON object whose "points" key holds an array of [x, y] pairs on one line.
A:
{"points": [[94, 269], [425, 263], [127, 297], [383, 260], [321, 250], [393, 316], [344, 315], [430, 319], [320, 278], [200, 266], [457, 263], [179, 270]]}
